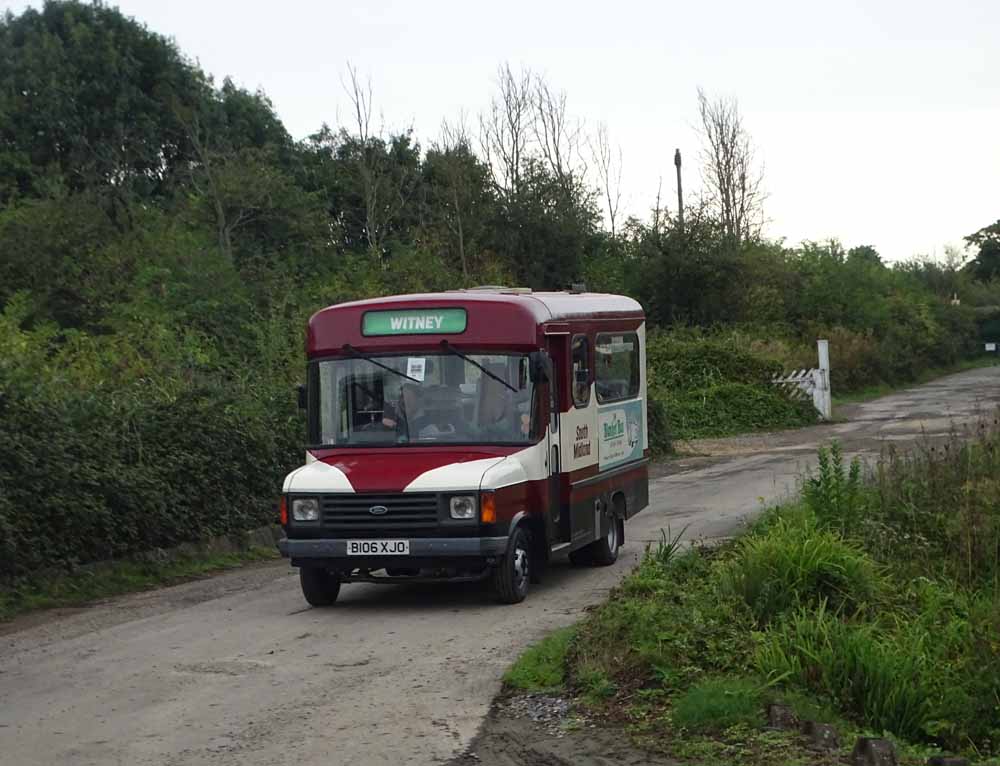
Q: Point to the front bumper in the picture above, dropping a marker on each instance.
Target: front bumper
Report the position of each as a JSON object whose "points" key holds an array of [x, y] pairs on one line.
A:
{"points": [[420, 548]]}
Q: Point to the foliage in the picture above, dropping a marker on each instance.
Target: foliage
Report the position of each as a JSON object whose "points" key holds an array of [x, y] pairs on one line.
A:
{"points": [[713, 386], [543, 666], [795, 564], [986, 265], [818, 608], [834, 493], [164, 240], [666, 624], [731, 408], [717, 704], [871, 676]]}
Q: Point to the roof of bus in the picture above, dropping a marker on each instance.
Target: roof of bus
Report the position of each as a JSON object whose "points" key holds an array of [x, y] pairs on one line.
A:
{"points": [[496, 316], [545, 305]]}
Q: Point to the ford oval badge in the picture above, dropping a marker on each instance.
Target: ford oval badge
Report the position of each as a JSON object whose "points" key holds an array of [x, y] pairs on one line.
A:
{"points": [[378, 510]]}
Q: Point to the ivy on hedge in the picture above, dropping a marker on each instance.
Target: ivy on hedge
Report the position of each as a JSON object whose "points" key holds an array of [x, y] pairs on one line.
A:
{"points": [[81, 480]]}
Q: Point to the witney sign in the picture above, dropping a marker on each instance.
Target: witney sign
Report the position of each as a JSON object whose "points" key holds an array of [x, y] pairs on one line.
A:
{"points": [[414, 322]]}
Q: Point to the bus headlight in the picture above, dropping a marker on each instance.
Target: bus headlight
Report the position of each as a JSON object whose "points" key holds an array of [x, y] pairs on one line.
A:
{"points": [[463, 507], [305, 509]]}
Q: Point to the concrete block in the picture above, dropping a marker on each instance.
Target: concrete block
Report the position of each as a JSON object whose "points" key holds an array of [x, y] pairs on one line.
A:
{"points": [[822, 736], [781, 717], [871, 751]]}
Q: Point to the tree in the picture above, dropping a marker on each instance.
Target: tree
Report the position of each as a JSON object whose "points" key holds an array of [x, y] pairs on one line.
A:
{"points": [[729, 170], [608, 161], [84, 95], [385, 169], [557, 136], [506, 130], [458, 192], [986, 265]]}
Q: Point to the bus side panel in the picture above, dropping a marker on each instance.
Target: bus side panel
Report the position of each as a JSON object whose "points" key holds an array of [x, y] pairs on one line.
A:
{"points": [[528, 496], [631, 481]]}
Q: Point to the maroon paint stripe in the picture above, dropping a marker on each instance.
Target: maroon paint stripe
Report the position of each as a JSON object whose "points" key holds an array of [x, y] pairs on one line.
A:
{"points": [[391, 470]]}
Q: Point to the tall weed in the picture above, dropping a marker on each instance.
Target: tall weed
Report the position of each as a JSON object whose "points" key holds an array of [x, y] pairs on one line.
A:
{"points": [[795, 564]]}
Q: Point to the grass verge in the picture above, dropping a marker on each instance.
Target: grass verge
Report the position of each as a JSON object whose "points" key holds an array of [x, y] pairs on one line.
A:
{"points": [[872, 603], [117, 578], [543, 666]]}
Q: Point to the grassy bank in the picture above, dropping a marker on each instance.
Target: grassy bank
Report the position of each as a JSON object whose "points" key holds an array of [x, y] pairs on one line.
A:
{"points": [[873, 603], [116, 578]]}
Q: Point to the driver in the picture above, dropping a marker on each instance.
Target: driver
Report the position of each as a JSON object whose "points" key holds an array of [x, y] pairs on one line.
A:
{"points": [[407, 412]]}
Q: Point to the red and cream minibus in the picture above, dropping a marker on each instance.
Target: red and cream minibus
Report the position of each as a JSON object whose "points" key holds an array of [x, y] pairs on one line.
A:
{"points": [[467, 435]]}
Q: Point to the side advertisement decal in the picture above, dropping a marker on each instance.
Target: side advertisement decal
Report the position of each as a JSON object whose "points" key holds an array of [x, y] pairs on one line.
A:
{"points": [[620, 433]]}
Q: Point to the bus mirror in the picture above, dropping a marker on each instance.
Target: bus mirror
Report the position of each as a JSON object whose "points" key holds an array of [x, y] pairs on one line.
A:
{"points": [[540, 366], [303, 397]]}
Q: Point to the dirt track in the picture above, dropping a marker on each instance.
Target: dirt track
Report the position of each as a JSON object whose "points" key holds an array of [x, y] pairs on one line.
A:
{"points": [[236, 669]]}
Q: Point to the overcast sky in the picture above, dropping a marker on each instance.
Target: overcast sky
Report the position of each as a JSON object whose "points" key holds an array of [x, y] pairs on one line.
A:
{"points": [[877, 122]]}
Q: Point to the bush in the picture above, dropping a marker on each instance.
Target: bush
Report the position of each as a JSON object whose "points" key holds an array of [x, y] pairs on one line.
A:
{"points": [[677, 364], [871, 676], [795, 564], [88, 479], [730, 408], [834, 493], [718, 704], [666, 626]]}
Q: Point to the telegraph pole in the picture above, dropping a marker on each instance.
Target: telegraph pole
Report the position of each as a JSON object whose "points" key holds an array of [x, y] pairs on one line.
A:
{"points": [[680, 192]]}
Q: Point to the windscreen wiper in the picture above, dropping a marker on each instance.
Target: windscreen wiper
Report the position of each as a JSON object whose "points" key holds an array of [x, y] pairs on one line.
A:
{"points": [[452, 350], [349, 349]]}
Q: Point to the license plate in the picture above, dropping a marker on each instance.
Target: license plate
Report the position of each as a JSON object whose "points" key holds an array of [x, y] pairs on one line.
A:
{"points": [[378, 547]]}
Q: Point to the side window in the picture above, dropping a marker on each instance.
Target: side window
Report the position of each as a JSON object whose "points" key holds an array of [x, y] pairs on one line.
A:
{"points": [[581, 371], [617, 362]]}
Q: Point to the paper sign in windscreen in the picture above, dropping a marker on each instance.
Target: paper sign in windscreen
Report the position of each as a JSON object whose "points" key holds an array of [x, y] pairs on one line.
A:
{"points": [[415, 367]]}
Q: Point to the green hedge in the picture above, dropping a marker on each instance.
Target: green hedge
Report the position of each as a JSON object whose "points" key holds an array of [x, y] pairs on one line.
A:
{"points": [[87, 478], [703, 387]]}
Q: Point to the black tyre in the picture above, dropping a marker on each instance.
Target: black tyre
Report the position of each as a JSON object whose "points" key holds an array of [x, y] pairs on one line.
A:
{"points": [[319, 586], [512, 574], [604, 552], [582, 557]]}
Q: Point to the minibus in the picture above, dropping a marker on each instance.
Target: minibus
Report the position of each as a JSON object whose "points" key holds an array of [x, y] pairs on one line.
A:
{"points": [[468, 435]]}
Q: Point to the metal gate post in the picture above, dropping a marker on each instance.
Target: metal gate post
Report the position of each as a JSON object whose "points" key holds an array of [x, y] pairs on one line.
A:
{"points": [[821, 393]]}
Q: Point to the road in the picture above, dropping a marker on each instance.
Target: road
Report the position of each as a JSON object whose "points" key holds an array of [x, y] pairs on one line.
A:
{"points": [[236, 669]]}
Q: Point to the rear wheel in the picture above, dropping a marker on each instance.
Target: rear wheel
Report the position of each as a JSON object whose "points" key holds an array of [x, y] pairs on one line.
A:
{"points": [[513, 572], [604, 552], [319, 586]]}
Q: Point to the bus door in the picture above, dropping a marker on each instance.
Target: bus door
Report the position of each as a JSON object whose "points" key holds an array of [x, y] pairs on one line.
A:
{"points": [[559, 516]]}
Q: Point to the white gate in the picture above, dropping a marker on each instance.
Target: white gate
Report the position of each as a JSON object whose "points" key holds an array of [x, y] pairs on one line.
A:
{"points": [[811, 385]]}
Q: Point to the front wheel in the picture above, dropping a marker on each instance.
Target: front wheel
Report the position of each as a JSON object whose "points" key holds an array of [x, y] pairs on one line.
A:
{"points": [[513, 572], [319, 586]]}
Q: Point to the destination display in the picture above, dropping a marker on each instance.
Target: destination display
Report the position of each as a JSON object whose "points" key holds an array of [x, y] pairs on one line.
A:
{"points": [[414, 322]]}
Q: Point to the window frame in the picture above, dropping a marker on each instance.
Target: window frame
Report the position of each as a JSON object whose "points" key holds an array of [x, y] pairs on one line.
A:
{"points": [[636, 367], [314, 426], [578, 404]]}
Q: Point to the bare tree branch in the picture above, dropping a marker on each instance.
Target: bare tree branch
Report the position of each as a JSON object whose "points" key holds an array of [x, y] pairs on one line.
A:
{"points": [[608, 161], [733, 180], [385, 188], [505, 129]]}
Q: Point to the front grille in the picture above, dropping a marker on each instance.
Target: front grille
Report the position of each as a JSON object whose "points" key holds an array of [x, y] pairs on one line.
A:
{"points": [[411, 513]]}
